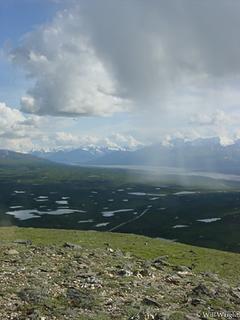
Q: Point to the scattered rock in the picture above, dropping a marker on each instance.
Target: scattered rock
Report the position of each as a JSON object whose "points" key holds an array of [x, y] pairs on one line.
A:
{"points": [[192, 317], [173, 279], [183, 274], [12, 252], [58, 283], [125, 273], [72, 245], [235, 294], [80, 298], [151, 302], [149, 316], [211, 276], [35, 315], [181, 269], [25, 242], [160, 262], [197, 301], [33, 295], [202, 289], [145, 273]]}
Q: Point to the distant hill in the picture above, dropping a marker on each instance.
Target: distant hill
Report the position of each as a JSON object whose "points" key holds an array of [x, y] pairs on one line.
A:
{"points": [[12, 158], [200, 154]]}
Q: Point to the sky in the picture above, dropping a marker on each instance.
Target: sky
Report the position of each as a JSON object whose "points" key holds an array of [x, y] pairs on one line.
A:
{"points": [[75, 73]]}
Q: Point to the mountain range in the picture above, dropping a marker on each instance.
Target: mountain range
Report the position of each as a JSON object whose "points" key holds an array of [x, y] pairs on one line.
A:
{"points": [[200, 154]]}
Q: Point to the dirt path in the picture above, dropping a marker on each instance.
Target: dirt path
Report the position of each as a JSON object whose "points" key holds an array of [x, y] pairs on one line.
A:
{"points": [[130, 220]]}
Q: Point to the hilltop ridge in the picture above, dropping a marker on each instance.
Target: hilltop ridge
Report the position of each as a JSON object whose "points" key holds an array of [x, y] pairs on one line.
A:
{"points": [[92, 275], [12, 158]]}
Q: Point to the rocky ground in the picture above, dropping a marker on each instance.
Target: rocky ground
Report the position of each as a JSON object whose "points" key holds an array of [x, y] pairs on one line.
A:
{"points": [[71, 282]]}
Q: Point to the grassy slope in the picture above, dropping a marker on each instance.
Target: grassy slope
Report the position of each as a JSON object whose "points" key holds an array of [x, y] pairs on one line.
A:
{"points": [[226, 264]]}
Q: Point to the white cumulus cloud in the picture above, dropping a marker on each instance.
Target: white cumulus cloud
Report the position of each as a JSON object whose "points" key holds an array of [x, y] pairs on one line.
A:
{"points": [[100, 57]]}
